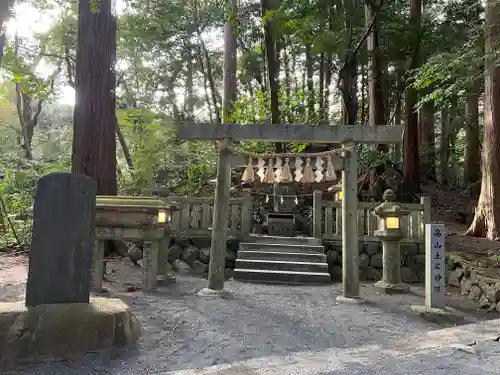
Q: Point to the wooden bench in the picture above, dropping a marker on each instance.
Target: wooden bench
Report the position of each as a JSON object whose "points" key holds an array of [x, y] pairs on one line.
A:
{"points": [[136, 219]]}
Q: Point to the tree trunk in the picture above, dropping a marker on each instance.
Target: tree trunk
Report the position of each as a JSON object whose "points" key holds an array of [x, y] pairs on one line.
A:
{"points": [[486, 221], [189, 96], [94, 126], [472, 162], [348, 89], [230, 64], [321, 87], [28, 109], [444, 146], [125, 149], [376, 110], [271, 43], [397, 121], [288, 79], [411, 163], [5, 6], [427, 143], [207, 94], [363, 75], [310, 85]]}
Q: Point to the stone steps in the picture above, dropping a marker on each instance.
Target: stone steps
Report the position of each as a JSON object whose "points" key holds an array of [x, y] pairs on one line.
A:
{"points": [[284, 240], [315, 267], [282, 260], [282, 277], [280, 256], [282, 248]]}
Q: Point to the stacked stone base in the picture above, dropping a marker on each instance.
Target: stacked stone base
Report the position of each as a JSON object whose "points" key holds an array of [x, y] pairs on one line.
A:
{"points": [[191, 255], [370, 260], [479, 288], [63, 331]]}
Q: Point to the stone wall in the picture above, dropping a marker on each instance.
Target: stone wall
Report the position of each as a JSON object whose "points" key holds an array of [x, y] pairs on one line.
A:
{"points": [[192, 254], [370, 261], [466, 276]]}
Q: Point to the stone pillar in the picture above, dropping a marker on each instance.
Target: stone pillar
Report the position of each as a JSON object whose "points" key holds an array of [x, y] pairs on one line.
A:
{"points": [[317, 213], [150, 262], [98, 266], [350, 244], [391, 262], [220, 217], [165, 274], [246, 212]]}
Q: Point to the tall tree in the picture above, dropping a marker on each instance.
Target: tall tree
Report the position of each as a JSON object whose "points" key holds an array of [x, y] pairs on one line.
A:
{"points": [[5, 6], [472, 159], [272, 57], [486, 221], [411, 167], [94, 142], [376, 107]]}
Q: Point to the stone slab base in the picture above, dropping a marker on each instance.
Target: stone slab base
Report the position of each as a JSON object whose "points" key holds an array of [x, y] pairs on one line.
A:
{"points": [[445, 315], [63, 331], [388, 288], [349, 300]]}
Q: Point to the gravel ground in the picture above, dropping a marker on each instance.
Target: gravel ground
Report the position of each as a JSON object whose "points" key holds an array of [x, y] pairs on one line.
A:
{"points": [[183, 331]]}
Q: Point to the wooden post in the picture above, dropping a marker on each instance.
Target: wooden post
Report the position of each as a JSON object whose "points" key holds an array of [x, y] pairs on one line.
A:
{"points": [[150, 260], [350, 251], [98, 266], [246, 213], [435, 270], [220, 218], [317, 213]]}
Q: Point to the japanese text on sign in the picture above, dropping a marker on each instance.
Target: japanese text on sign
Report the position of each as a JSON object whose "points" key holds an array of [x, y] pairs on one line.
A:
{"points": [[435, 236]]}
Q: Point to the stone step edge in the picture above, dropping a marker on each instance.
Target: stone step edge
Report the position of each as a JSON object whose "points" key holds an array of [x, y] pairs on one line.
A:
{"points": [[280, 262], [280, 237], [280, 252], [283, 245], [282, 272]]}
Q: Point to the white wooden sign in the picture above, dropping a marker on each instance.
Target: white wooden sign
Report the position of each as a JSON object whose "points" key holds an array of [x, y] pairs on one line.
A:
{"points": [[435, 268]]}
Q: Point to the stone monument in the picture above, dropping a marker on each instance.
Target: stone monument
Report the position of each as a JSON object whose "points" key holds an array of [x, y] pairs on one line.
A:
{"points": [[59, 320], [63, 240]]}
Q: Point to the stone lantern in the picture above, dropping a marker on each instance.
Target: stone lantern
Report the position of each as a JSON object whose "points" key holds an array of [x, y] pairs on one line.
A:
{"points": [[390, 234]]}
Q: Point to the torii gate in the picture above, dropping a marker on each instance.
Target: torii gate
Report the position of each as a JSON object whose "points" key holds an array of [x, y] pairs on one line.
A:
{"points": [[348, 136]]}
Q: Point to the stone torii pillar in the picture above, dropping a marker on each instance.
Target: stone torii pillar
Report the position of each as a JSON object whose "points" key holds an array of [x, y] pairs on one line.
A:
{"points": [[350, 242], [347, 135]]}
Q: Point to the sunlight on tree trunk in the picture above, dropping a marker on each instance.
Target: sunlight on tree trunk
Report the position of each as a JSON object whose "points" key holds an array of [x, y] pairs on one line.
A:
{"points": [[94, 139], [5, 6], [376, 106], [486, 221]]}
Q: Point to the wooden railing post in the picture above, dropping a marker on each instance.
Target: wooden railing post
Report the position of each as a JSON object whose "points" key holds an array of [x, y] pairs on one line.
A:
{"points": [[246, 212], [317, 213]]}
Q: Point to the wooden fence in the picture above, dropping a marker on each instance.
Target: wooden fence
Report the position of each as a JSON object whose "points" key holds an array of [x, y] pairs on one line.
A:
{"points": [[195, 215], [327, 219]]}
